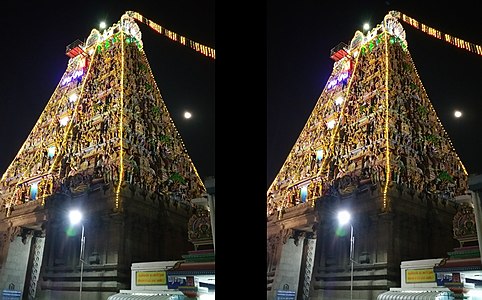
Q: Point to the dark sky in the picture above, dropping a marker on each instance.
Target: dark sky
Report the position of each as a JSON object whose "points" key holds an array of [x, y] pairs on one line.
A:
{"points": [[34, 35], [301, 34]]}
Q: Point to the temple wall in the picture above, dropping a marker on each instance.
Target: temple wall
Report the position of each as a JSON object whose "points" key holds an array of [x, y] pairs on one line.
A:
{"points": [[288, 268], [416, 226], [145, 229], [15, 268]]}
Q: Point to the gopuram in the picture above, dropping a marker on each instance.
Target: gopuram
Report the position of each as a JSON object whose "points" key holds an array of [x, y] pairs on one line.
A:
{"points": [[105, 144], [373, 146]]}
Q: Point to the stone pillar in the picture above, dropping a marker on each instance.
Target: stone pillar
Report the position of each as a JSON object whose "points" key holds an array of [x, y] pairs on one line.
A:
{"points": [[36, 263], [475, 186], [308, 266]]}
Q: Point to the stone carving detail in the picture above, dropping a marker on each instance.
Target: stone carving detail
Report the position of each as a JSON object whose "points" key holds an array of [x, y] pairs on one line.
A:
{"points": [[41, 233], [310, 258], [4, 239], [37, 263], [199, 226], [347, 184], [286, 234], [25, 234], [273, 242], [464, 224], [155, 162], [299, 236], [422, 159], [14, 232], [315, 230]]}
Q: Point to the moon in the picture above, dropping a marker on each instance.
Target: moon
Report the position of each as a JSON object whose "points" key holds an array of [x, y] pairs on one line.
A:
{"points": [[457, 114]]}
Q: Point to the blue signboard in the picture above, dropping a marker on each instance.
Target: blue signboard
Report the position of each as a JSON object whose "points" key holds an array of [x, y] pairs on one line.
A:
{"points": [[174, 282], [11, 295], [285, 295]]}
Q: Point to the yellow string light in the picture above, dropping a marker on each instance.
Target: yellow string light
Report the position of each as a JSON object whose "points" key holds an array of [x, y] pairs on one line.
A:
{"points": [[121, 124], [437, 34], [161, 103], [431, 31], [335, 131], [173, 36], [57, 157], [74, 115], [438, 119], [387, 142]]}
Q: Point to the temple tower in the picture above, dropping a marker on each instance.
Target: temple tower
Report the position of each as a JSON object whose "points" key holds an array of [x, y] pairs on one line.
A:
{"points": [[105, 144], [372, 145]]}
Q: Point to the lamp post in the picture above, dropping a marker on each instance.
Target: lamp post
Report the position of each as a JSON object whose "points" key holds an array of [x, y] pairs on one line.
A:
{"points": [[344, 218], [75, 217]]}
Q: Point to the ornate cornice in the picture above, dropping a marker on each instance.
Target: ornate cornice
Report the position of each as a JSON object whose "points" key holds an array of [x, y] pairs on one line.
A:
{"points": [[199, 227], [286, 234]]}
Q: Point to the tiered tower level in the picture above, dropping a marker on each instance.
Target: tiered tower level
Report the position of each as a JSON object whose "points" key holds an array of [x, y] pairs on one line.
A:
{"points": [[372, 145], [106, 123], [373, 123]]}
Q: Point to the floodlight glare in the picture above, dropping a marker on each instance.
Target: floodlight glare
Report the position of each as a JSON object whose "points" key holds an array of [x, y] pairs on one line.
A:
{"points": [[75, 216], [344, 217]]}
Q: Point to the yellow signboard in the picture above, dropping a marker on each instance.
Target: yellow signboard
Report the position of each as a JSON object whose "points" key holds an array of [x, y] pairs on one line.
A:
{"points": [[151, 278], [419, 275]]}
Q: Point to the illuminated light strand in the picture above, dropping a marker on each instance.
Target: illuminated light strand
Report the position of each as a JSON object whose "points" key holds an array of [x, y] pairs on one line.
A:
{"points": [[40, 120], [201, 48], [439, 122], [319, 106], [121, 132], [22, 148], [336, 130], [387, 116], [340, 119], [435, 33], [34, 129], [69, 126], [287, 161], [161, 103], [74, 114], [207, 51], [67, 129], [474, 48]]}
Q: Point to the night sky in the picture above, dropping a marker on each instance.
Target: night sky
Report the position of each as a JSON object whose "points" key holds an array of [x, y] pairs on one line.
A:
{"points": [[301, 34], [34, 37]]}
